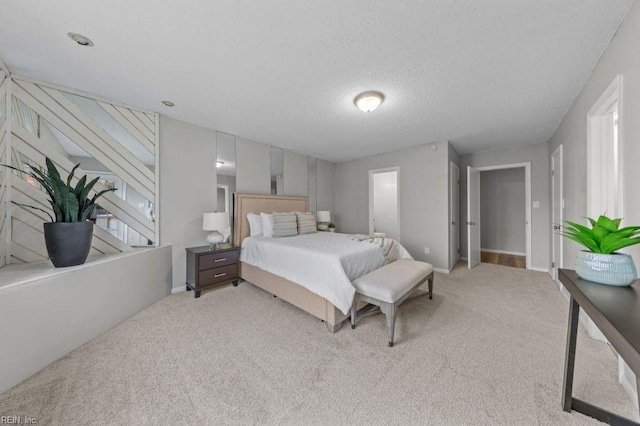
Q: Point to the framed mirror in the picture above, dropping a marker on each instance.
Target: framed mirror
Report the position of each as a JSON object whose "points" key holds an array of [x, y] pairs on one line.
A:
{"points": [[226, 171], [277, 171]]}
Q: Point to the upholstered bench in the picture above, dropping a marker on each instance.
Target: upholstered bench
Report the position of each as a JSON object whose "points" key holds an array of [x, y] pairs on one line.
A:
{"points": [[388, 287]]}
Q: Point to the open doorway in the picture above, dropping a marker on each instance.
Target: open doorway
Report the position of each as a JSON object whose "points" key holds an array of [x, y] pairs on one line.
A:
{"points": [[499, 215], [384, 215]]}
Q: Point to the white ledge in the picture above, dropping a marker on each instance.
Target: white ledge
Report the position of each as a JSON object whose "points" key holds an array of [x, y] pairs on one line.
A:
{"points": [[14, 275]]}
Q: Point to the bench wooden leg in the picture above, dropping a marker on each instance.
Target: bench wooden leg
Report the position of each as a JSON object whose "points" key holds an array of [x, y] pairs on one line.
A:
{"points": [[354, 311], [431, 287], [390, 310]]}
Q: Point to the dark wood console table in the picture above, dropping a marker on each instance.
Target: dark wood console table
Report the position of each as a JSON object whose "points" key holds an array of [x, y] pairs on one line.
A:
{"points": [[616, 312]]}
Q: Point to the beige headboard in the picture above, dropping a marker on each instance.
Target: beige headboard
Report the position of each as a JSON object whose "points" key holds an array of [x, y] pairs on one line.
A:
{"points": [[253, 203]]}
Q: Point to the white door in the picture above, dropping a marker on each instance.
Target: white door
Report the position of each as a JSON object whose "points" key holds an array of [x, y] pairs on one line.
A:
{"points": [[383, 193], [454, 243], [473, 216], [556, 210]]}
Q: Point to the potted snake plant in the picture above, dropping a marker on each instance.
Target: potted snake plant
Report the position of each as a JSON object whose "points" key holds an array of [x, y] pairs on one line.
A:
{"points": [[600, 262], [68, 235]]}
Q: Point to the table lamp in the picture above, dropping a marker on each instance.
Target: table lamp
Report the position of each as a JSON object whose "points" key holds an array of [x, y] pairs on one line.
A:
{"points": [[215, 222], [324, 217]]}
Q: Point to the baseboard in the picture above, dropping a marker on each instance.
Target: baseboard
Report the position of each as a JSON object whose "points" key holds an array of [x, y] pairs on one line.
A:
{"points": [[442, 271], [178, 289], [464, 258], [533, 268], [516, 253]]}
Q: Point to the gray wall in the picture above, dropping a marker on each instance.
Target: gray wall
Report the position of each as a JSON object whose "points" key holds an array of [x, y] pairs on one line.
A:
{"points": [[502, 210], [538, 155], [253, 167], [325, 186], [296, 181], [45, 319], [423, 199], [188, 187], [620, 57]]}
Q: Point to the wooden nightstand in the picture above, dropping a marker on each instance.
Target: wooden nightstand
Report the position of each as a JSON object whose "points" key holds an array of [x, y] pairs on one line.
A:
{"points": [[209, 268]]}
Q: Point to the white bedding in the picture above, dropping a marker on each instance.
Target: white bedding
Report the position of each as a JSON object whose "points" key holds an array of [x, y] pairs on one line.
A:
{"points": [[324, 263]]}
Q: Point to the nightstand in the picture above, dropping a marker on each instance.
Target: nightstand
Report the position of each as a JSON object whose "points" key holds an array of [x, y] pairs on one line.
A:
{"points": [[211, 267]]}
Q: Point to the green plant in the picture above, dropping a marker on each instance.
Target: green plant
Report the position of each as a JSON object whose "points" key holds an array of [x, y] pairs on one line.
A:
{"points": [[603, 236], [332, 225], [69, 203]]}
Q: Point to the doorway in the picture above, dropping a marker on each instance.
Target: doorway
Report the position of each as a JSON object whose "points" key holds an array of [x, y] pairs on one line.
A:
{"points": [[557, 206], [384, 210], [454, 215], [474, 207]]}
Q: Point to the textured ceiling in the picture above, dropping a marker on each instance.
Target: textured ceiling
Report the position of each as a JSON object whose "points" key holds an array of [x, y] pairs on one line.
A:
{"points": [[482, 74]]}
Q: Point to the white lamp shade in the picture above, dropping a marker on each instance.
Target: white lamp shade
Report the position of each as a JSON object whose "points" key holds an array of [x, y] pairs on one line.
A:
{"points": [[217, 221], [324, 216]]}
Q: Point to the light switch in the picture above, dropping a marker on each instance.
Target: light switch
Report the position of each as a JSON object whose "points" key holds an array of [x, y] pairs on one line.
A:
{"points": [[536, 204]]}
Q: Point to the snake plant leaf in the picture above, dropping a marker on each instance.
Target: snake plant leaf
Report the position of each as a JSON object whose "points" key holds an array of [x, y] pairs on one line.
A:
{"points": [[80, 186], [607, 223], [85, 193], [101, 193], [73, 171], [34, 208]]}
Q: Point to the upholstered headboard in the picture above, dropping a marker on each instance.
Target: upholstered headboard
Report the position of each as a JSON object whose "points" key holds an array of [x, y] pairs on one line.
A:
{"points": [[253, 203]]}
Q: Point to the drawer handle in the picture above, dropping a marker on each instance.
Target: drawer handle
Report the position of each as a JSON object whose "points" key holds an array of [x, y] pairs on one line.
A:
{"points": [[222, 259], [220, 275]]}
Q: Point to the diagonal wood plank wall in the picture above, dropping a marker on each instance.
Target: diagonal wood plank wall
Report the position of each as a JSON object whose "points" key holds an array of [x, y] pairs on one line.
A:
{"points": [[21, 228]]}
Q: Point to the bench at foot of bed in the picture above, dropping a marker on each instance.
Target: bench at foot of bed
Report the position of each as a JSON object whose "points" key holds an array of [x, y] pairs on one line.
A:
{"points": [[389, 286]]}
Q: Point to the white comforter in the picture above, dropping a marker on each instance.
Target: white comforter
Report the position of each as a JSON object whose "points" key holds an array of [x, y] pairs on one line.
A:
{"points": [[325, 263]]}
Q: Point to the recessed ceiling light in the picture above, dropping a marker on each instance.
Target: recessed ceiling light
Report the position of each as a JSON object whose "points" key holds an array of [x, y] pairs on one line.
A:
{"points": [[368, 101], [80, 39], [168, 103], [220, 163]]}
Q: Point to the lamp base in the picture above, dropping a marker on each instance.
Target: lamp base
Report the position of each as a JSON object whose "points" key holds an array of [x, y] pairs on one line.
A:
{"points": [[214, 239], [322, 226]]}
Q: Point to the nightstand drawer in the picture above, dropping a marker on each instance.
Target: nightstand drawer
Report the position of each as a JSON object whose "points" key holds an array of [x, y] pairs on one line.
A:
{"points": [[218, 275], [215, 260]]}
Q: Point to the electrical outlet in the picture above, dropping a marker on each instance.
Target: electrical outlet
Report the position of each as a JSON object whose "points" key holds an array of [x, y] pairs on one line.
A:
{"points": [[426, 250], [536, 204]]}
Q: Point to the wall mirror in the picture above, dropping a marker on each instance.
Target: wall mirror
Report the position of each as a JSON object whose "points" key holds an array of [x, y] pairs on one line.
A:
{"points": [[226, 171], [277, 171], [312, 175]]}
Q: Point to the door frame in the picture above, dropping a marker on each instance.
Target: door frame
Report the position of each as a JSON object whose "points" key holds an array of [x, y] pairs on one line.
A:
{"points": [[554, 267], [527, 198], [451, 213], [384, 170]]}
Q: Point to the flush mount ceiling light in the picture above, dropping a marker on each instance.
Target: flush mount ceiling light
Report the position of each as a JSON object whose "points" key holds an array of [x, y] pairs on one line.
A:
{"points": [[368, 101], [80, 39], [168, 103], [220, 163]]}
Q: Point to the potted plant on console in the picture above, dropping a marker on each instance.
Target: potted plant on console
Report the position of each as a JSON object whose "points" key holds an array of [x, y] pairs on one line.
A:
{"points": [[600, 263], [68, 235], [332, 227]]}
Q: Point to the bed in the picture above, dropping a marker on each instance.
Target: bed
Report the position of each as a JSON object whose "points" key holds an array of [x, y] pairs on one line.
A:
{"points": [[328, 291]]}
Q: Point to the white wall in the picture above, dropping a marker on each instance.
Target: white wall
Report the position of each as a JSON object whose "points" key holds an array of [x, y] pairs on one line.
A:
{"points": [[423, 199], [538, 155], [502, 210], [621, 57], [188, 186], [44, 319]]}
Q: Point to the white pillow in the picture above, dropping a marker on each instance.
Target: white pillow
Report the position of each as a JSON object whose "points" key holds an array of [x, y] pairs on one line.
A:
{"points": [[267, 224], [255, 224]]}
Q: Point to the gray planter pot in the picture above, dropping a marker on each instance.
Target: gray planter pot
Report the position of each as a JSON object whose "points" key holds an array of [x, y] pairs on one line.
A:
{"points": [[612, 269], [68, 243]]}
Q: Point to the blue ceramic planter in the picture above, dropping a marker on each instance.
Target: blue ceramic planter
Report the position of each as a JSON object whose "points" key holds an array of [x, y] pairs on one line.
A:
{"points": [[612, 269]]}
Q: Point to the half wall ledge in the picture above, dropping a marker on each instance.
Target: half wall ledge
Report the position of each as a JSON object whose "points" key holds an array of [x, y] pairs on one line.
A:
{"points": [[47, 312]]}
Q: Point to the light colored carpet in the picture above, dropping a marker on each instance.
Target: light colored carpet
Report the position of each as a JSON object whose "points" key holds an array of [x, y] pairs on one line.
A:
{"points": [[488, 349]]}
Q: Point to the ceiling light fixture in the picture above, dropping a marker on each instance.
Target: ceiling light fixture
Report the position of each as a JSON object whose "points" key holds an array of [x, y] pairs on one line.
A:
{"points": [[368, 101], [220, 163], [80, 39], [168, 103]]}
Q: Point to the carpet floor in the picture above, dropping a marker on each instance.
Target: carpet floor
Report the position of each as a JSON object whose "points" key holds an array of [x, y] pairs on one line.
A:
{"points": [[488, 349]]}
